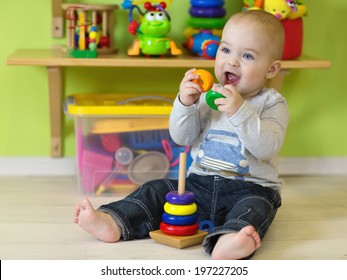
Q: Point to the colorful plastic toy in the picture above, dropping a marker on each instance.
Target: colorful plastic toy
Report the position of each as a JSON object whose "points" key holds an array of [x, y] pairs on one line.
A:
{"points": [[179, 230], [206, 82], [179, 227], [151, 33], [290, 13], [179, 220], [180, 210], [211, 96], [180, 199], [282, 9], [208, 12], [285, 8], [206, 225], [89, 29], [207, 3], [203, 44], [204, 27]]}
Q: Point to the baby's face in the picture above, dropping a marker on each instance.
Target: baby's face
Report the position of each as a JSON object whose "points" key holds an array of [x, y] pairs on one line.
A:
{"points": [[244, 57]]}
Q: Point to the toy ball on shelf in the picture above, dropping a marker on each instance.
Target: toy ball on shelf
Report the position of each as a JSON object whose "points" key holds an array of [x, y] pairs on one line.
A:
{"points": [[203, 44], [151, 32]]}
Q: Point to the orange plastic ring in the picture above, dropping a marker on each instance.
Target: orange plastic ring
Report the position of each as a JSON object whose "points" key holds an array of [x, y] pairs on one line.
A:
{"points": [[206, 79]]}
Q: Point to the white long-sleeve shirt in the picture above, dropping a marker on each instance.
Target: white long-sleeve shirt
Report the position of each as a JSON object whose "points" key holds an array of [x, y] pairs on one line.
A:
{"points": [[242, 146]]}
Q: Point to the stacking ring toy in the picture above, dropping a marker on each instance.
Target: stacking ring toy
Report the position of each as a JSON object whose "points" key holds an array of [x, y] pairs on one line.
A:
{"points": [[209, 12], [211, 96], [176, 198], [178, 230], [206, 23], [205, 80], [207, 3], [206, 225], [179, 220], [180, 210]]}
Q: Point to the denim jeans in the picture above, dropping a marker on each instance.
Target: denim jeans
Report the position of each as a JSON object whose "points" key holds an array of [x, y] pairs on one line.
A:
{"points": [[229, 204]]}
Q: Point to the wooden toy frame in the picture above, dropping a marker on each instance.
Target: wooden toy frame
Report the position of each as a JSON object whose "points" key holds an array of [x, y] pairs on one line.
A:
{"points": [[91, 11]]}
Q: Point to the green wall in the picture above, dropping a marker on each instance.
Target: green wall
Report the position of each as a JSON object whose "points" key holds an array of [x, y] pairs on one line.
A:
{"points": [[317, 98]]}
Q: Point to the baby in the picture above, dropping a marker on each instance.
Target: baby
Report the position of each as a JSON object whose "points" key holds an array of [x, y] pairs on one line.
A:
{"points": [[232, 175]]}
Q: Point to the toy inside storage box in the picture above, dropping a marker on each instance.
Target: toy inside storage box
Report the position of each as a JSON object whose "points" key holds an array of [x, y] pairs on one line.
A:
{"points": [[122, 141]]}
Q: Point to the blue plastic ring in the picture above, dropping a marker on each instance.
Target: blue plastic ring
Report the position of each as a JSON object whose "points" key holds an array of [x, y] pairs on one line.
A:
{"points": [[179, 220], [207, 3], [207, 12], [206, 225], [180, 199]]}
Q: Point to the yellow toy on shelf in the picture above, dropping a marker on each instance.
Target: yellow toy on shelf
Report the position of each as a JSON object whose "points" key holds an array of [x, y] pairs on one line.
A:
{"points": [[290, 13], [283, 9]]}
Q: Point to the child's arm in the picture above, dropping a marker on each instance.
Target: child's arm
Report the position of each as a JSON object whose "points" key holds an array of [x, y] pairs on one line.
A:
{"points": [[184, 123]]}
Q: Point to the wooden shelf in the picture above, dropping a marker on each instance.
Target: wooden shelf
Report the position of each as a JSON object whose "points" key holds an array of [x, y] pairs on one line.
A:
{"points": [[56, 60], [46, 57]]}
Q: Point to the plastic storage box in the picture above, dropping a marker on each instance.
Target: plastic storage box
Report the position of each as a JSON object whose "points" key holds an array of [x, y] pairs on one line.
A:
{"points": [[122, 141]]}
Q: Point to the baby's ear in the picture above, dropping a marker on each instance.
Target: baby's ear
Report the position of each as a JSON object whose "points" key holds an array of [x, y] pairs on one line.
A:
{"points": [[273, 69]]}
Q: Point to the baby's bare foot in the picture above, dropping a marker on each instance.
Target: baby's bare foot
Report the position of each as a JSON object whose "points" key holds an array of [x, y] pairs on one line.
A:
{"points": [[98, 224], [237, 245]]}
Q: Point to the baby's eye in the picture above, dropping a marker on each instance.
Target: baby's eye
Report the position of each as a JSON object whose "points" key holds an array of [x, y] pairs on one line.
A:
{"points": [[248, 56], [225, 50]]}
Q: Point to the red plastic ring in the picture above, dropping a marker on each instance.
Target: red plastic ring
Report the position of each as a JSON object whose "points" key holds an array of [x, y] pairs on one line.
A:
{"points": [[179, 230]]}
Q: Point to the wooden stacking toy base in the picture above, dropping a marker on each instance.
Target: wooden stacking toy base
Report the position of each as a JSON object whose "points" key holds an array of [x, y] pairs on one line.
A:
{"points": [[178, 242]]}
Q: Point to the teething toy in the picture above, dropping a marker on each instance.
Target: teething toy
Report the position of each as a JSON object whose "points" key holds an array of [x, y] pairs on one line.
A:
{"points": [[211, 96], [205, 80]]}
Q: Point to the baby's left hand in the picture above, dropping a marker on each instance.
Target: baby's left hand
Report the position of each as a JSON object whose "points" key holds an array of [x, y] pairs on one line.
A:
{"points": [[232, 101]]}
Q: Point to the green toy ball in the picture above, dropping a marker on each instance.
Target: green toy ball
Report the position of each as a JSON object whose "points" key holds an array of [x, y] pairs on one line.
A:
{"points": [[211, 96], [92, 46]]}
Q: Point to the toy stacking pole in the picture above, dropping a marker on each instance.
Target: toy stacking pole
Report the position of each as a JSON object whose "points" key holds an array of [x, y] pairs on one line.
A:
{"points": [[182, 174]]}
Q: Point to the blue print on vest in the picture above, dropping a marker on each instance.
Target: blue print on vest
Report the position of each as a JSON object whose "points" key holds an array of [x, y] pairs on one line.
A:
{"points": [[221, 151]]}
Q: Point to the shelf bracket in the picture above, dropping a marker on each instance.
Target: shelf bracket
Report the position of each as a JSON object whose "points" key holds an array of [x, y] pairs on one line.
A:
{"points": [[57, 19]]}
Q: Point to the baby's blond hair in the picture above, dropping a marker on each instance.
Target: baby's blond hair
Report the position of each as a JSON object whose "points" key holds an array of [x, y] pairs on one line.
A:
{"points": [[269, 25]]}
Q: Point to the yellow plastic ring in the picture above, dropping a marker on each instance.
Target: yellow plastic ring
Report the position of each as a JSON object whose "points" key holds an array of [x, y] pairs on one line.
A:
{"points": [[205, 80], [180, 210]]}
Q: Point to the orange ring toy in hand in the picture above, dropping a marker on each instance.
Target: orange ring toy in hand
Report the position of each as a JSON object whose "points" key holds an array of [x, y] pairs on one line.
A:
{"points": [[205, 80]]}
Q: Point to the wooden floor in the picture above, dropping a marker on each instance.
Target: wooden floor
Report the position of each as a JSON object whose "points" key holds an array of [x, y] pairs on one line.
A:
{"points": [[36, 223]]}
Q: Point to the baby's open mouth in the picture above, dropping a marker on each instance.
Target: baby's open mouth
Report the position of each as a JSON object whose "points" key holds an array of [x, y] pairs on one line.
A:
{"points": [[231, 78]]}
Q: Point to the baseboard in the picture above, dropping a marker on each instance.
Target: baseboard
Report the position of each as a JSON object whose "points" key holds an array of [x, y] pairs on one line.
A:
{"points": [[22, 166], [17, 166], [312, 166]]}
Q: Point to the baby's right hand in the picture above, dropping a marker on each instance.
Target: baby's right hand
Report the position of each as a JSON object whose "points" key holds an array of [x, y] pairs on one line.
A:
{"points": [[190, 91]]}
